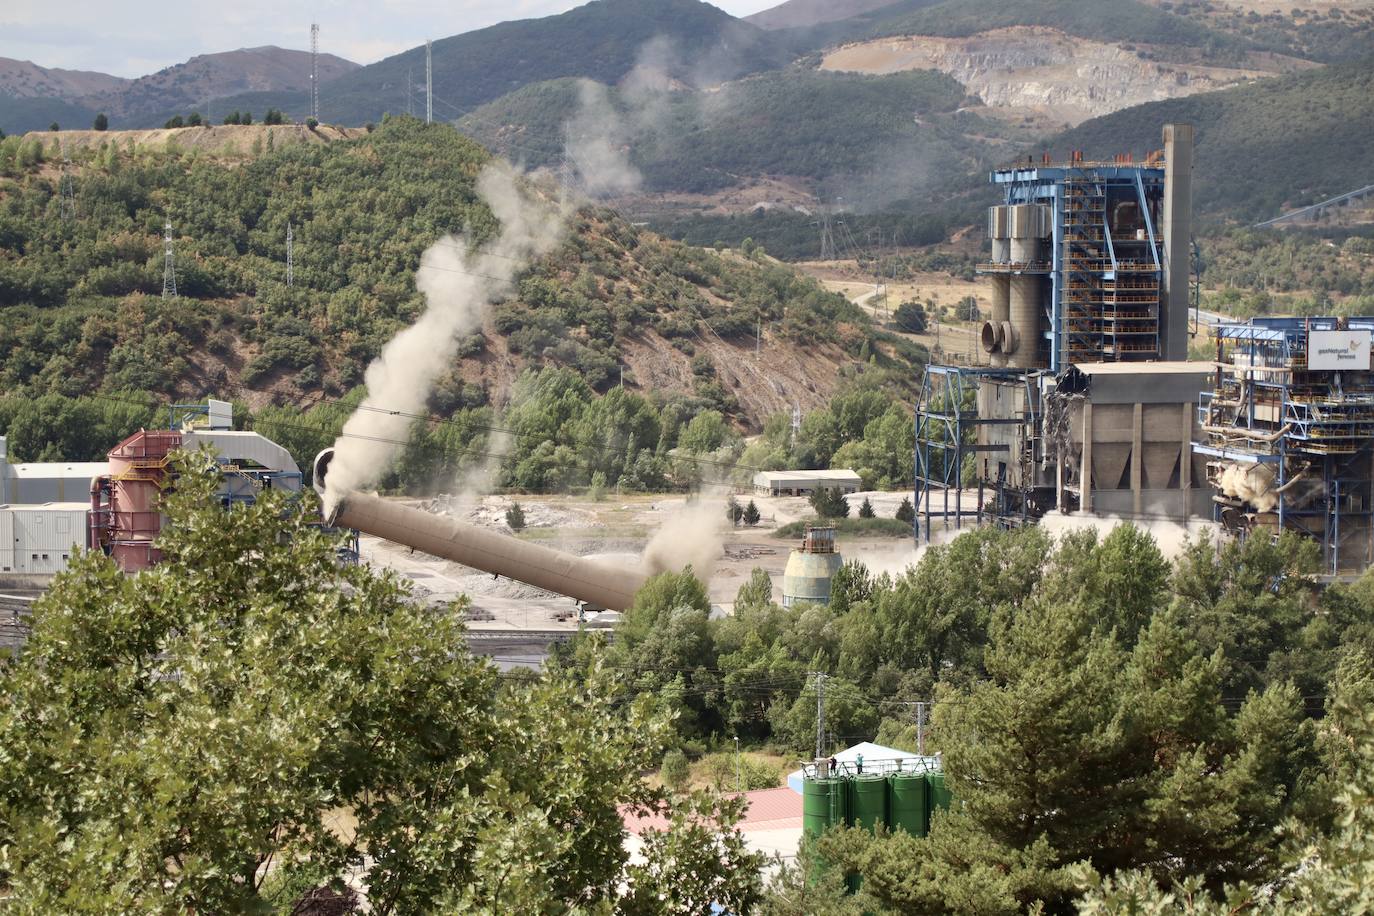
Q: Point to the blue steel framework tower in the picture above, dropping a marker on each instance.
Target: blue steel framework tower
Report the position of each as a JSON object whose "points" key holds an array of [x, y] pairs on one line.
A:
{"points": [[1089, 264], [1099, 286]]}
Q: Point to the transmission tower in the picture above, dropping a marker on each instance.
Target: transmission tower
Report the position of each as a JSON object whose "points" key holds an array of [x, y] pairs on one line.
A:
{"points": [[429, 85], [827, 238], [66, 194], [290, 257], [169, 268], [315, 71]]}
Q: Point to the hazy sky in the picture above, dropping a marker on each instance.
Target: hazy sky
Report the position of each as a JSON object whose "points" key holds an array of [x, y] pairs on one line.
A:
{"points": [[136, 37]]}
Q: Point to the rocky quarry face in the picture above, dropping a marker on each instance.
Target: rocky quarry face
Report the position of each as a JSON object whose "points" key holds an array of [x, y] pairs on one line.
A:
{"points": [[1065, 78]]}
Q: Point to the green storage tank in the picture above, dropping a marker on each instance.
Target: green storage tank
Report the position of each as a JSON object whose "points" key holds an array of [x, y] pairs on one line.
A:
{"points": [[939, 795], [868, 801], [907, 800], [824, 804]]}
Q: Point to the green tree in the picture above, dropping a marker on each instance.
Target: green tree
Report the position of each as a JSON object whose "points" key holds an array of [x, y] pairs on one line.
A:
{"points": [[910, 317], [167, 736], [906, 512], [751, 514], [233, 118], [194, 119], [101, 122], [733, 511], [515, 517], [54, 126], [866, 508], [757, 592], [675, 772], [829, 502], [174, 122], [706, 432]]}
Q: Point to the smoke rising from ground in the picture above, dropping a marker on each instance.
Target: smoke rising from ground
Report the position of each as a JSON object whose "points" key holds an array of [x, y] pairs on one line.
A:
{"points": [[691, 536], [459, 283], [1169, 536]]}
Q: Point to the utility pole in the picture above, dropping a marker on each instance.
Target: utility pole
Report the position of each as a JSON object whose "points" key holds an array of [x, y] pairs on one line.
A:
{"points": [[315, 71], [410, 94], [921, 728], [290, 258], [429, 84], [820, 714], [68, 197], [169, 269]]}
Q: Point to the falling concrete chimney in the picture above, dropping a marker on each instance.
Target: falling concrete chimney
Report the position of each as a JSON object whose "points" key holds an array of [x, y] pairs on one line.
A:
{"points": [[1178, 239]]}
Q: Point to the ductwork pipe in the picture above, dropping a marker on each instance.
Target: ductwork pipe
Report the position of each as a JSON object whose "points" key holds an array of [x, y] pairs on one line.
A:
{"points": [[598, 584]]}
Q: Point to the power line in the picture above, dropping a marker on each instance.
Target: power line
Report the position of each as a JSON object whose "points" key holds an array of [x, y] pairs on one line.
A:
{"points": [[315, 71]]}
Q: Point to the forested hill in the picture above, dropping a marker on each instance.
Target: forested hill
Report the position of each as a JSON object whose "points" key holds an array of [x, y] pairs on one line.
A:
{"points": [[685, 42], [81, 308], [1261, 148]]}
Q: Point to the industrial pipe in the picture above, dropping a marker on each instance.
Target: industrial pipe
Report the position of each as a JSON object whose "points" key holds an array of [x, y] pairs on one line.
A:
{"points": [[598, 584]]}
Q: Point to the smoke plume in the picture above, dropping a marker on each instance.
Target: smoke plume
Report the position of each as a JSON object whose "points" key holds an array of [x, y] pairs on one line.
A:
{"points": [[596, 143], [1169, 536], [690, 536], [459, 283]]}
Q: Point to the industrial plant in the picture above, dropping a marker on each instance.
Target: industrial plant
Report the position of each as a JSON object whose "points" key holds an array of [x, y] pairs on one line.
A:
{"points": [[1088, 405]]}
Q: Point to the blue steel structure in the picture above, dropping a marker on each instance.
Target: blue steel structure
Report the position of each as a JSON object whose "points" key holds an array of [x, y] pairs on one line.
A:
{"points": [[1304, 437], [947, 419], [1101, 301]]}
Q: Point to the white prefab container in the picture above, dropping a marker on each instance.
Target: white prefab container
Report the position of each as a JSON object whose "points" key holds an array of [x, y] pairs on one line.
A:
{"points": [[41, 540]]}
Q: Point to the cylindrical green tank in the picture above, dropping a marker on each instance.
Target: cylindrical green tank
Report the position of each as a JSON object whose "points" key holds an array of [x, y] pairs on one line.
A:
{"points": [[868, 801], [816, 804], [907, 800], [939, 795]]}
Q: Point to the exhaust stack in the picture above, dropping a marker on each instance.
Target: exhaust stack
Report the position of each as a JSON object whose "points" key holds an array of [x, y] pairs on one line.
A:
{"points": [[594, 583]]}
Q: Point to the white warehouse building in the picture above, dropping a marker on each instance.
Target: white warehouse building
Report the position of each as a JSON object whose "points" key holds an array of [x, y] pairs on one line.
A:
{"points": [[41, 540], [804, 483]]}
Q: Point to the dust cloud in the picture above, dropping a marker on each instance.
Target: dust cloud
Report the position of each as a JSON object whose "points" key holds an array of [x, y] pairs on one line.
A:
{"points": [[691, 536], [596, 143], [1253, 484], [459, 283], [1169, 536]]}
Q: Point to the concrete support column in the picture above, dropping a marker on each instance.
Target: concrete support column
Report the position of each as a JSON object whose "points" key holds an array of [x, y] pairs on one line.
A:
{"points": [[1085, 474], [1185, 465], [1137, 458]]}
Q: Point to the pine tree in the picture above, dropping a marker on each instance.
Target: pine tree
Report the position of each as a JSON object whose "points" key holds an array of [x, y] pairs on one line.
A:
{"points": [[515, 517], [101, 122], [829, 503], [733, 511], [751, 514], [866, 508], [906, 512]]}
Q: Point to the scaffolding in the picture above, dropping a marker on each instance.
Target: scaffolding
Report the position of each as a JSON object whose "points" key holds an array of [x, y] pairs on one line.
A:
{"points": [[1291, 447], [947, 434]]}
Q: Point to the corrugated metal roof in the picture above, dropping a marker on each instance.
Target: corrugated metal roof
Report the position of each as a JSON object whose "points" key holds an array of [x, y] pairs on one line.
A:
{"points": [[48, 470], [837, 474]]}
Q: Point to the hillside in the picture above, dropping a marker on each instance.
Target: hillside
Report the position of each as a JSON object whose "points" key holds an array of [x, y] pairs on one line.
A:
{"points": [[1262, 148], [1047, 74], [82, 311], [677, 41], [31, 97], [795, 14], [23, 79], [802, 133]]}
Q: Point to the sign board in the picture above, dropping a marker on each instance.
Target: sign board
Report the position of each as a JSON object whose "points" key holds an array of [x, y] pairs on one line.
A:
{"points": [[1337, 350]]}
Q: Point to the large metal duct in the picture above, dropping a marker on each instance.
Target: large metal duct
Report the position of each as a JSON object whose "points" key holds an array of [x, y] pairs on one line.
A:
{"points": [[599, 584], [999, 321], [1025, 321], [1178, 239], [999, 231], [1029, 228]]}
